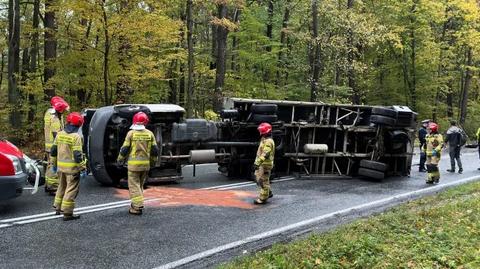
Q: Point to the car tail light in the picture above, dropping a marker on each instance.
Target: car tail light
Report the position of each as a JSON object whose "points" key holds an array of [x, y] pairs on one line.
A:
{"points": [[6, 166]]}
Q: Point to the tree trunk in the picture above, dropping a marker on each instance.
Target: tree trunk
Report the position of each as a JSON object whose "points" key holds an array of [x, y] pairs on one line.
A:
{"points": [[35, 36], [2, 66], [351, 61], [123, 90], [315, 54], [172, 83], [450, 99], [82, 92], [222, 34], [413, 72], [191, 60], [50, 48], [269, 32], [14, 62], [283, 41], [105, 56], [466, 87], [236, 19]]}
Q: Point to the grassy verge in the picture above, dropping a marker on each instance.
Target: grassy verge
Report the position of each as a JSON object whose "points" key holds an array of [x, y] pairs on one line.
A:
{"points": [[441, 231]]}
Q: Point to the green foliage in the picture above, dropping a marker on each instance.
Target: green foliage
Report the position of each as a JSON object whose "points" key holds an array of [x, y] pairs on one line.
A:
{"points": [[147, 53], [435, 232]]}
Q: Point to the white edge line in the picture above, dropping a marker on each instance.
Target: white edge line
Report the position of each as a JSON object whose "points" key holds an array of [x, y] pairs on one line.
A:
{"points": [[210, 252], [52, 213]]}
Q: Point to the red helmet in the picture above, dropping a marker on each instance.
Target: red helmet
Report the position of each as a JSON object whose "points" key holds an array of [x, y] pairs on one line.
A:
{"points": [[264, 128], [60, 106], [140, 118], [433, 127], [75, 119], [56, 99]]}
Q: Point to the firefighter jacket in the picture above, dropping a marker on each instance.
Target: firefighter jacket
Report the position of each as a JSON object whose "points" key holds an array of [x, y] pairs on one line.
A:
{"points": [[141, 148], [53, 124], [434, 142], [265, 153], [67, 154]]}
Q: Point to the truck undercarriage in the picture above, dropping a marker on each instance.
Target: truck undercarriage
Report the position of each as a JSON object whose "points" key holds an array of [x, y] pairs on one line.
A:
{"points": [[312, 139]]}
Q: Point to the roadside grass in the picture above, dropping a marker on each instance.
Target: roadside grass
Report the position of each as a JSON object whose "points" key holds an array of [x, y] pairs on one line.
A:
{"points": [[441, 231]]}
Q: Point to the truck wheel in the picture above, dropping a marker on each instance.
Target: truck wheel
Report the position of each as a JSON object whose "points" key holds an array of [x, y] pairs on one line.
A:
{"points": [[371, 173], [373, 165], [102, 170], [384, 112], [265, 109], [258, 118], [382, 120]]}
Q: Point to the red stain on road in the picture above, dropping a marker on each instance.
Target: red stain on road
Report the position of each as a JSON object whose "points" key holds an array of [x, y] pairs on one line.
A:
{"points": [[166, 196]]}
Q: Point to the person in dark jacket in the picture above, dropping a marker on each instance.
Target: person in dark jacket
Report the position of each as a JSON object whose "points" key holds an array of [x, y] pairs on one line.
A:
{"points": [[454, 141], [422, 133]]}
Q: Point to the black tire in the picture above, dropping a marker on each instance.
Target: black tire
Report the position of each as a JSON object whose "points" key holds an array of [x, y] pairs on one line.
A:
{"points": [[373, 165], [382, 120], [265, 109], [102, 171], [387, 112], [371, 173], [259, 118]]}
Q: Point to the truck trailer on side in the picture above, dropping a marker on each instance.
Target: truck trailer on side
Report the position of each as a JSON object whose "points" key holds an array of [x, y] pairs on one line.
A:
{"points": [[312, 139]]}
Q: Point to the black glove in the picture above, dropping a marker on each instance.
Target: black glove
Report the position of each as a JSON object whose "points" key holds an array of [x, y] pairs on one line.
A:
{"points": [[256, 167], [120, 163]]}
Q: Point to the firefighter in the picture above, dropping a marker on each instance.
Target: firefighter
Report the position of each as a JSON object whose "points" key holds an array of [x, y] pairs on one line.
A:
{"points": [[433, 148], [140, 149], [53, 121], [264, 162], [68, 157]]}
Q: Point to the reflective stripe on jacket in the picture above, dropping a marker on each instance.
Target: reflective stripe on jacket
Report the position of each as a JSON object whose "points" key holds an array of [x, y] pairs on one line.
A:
{"points": [[69, 154], [138, 147], [265, 153], [434, 142], [52, 124]]}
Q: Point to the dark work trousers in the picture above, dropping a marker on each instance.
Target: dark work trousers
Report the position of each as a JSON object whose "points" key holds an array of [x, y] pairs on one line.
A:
{"points": [[423, 159], [455, 155]]}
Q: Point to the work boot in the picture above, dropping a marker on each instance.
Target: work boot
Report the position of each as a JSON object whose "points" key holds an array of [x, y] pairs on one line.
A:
{"points": [[478, 168], [270, 194], [451, 170], [58, 212], [422, 170], [259, 201], [70, 217], [134, 211], [460, 170]]}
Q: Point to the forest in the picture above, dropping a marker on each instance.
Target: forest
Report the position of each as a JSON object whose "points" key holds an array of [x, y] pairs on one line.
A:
{"points": [[421, 53]]}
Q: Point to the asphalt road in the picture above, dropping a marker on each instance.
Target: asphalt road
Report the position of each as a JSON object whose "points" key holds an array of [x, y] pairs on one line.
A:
{"points": [[196, 215]]}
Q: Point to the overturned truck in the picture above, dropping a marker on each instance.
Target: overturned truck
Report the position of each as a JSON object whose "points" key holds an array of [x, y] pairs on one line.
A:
{"points": [[312, 139]]}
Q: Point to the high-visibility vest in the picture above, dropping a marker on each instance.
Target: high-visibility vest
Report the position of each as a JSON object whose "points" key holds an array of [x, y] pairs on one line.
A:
{"points": [[52, 124], [265, 153], [139, 143], [67, 144]]}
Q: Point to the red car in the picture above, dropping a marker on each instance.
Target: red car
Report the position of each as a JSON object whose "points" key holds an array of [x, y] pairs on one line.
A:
{"points": [[13, 172]]}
